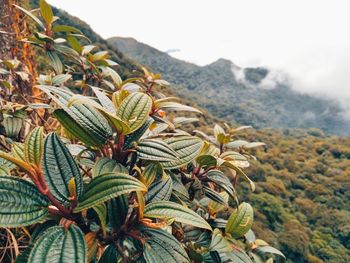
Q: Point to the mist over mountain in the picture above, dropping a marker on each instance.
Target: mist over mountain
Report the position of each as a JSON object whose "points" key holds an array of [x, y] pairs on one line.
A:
{"points": [[252, 96]]}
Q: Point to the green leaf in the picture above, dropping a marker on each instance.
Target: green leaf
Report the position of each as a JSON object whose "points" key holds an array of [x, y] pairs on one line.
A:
{"points": [[117, 211], [152, 171], [105, 165], [175, 106], [59, 168], [120, 126], [46, 12], [219, 132], [85, 116], [181, 214], [206, 160], [76, 130], [34, 146], [74, 43], [58, 245], [12, 126], [55, 62], [101, 211], [179, 121], [67, 29], [155, 150], [100, 55], [269, 250], [219, 243], [21, 204], [219, 178], [31, 16], [187, 148], [5, 167], [110, 255], [160, 190], [105, 187], [240, 221], [214, 196], [104, 100], [135, 110], [235, 158], [163, 247], [240, 172], [136, 135], [60, 79], [237, 255], [113, 74]]}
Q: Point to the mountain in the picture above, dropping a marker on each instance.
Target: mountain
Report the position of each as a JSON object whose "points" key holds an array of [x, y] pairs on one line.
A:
{"points": [[250, 96], [302, 196]]}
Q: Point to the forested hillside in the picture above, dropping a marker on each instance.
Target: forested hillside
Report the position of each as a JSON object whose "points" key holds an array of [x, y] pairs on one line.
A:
{"points": [[239, 95], [302, 176]]}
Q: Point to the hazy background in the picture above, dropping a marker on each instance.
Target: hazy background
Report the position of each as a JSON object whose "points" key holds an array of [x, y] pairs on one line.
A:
{"points": [[308, 40]]}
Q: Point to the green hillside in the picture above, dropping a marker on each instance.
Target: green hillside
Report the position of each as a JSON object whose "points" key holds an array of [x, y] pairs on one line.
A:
{"points": [[302, 176], [227, 96]]}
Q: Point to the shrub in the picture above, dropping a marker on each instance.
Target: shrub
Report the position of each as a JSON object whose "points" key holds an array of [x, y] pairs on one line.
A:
{"points": [[99, 171]]}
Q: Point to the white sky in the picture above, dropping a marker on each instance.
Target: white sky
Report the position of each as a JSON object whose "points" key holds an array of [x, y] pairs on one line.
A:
{"points": [[309, 39]]}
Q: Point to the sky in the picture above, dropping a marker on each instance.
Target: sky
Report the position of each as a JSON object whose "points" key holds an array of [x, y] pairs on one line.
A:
{"points": [[307, 39]]}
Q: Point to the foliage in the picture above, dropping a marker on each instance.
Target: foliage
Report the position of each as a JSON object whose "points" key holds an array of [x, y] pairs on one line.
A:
{"points": [[102, 171], [302, 194]]}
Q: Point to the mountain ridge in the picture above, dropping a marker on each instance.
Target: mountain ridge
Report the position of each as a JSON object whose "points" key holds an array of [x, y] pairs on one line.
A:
{"points": [[239, 99]]}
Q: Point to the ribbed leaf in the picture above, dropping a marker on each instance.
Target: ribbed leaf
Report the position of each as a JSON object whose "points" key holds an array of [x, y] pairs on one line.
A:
{"points": [[17, 150], [101, 211], [110, 255], [12, 126], [5, 167], [104, 100], [57, 245], [237, 255], [166, 209], [152, 171], [136, 135], [163, 247], [105, 187], [60, 79], [135, 110], [171, 105], [85, 116], [240, 221], [59, 168], [75, 129], [178, 121], [117, 210], [55, 62], [187, 149], [219, 243], [155, 150], [214, 196], [222, 180], [34, 146], [105, 165], [119, 125], [160, 190], [235, 158], [21, 204]]}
